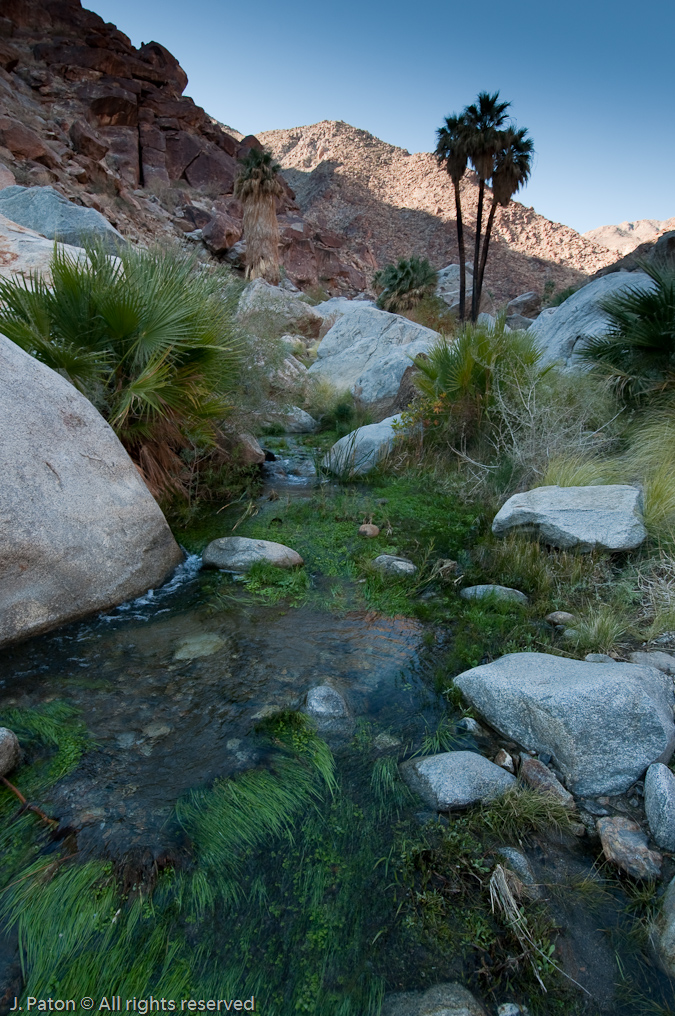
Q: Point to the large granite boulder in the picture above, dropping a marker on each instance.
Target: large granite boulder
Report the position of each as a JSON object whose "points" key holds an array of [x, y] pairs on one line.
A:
{"points": [[527, 305], [456, 779], [49, 213], [447, 289], [239, 553], [558, 330], [360, 451], [271, 311], [79, 530], [23, 251], [367, 351], [602, 725], [604, 517]]}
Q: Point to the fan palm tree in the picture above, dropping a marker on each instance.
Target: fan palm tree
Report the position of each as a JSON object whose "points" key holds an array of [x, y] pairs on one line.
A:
{"points": [[452, 152], [405, 284], [147, 337], [513, 165], [483, 118], [257, 187]]}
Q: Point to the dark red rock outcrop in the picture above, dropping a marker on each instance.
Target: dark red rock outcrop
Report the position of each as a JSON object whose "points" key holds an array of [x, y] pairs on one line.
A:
{"points": [[107, 124]]}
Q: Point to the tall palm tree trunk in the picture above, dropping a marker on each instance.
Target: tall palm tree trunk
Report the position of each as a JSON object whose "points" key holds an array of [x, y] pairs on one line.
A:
{"points": [[462, 252], [261, 231], [484, 255], [476, 256]]}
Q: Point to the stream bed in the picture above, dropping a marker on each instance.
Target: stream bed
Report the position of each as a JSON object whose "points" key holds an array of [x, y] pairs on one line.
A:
{"points": [[172, 692]]}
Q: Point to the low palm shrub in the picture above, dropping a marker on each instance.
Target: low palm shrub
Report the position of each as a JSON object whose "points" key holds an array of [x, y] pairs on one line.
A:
{"points": [[404, 285], [636, 356], [460, 380], [147, 337]]}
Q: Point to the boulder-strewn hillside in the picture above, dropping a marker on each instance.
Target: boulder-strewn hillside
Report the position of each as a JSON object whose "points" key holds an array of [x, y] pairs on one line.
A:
{"points": [[107, 125], [626, 236], [391, 204]]}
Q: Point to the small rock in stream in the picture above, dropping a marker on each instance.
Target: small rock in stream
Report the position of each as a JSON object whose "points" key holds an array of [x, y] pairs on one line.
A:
{"points": [[194, 646], [599, 658], [624, 843], [238, 554], [10, 750]]}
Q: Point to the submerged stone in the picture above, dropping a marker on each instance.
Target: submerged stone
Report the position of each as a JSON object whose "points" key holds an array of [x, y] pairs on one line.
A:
{"points": [[195, 646], [324, 702]]}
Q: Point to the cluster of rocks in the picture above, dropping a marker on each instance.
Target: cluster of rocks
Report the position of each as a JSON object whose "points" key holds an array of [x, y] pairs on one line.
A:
{"points": [[107, 125]]}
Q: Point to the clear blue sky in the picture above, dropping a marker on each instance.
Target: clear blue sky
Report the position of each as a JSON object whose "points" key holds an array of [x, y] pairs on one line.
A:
{"points": [[592, 80]]}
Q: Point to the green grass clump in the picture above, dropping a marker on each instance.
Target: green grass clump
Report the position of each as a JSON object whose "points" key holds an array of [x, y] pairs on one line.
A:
{"points": [[520, 812]]}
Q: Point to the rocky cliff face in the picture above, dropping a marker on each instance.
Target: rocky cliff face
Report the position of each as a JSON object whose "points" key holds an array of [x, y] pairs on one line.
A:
{"points": [[390, 204], [626, 236], [108, 125]]}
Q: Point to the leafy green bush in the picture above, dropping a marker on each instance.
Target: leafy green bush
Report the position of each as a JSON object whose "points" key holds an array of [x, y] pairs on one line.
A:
{"points": [[147, 337], [405, 284], [636, 356]]}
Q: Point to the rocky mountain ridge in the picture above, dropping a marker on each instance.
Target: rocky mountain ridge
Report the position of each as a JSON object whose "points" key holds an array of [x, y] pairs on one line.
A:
{"points": [[390, 203], [626, 236]]}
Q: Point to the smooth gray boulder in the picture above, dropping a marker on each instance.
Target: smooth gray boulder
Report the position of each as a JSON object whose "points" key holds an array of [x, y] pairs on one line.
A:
{"points": [[662, 661], [391, 565], [361, 450], [493, 591], [603, 517], [367, 351], [518, 322], [558, 330], [440, 1000], [456, 779], [79, 530], [239, 553], [10, 750], [602, 725], [660, 804], [270, 311], [49, 213]]}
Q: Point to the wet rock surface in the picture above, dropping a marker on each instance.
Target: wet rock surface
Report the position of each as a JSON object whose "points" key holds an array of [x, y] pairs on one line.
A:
{"points": [[603, 725], [456, 779]]}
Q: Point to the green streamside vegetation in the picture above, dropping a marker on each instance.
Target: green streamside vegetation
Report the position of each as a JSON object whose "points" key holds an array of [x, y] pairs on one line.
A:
{"points": [[309, 883]]}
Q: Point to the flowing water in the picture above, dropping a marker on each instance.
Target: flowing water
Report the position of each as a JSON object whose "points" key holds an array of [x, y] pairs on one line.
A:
{"points": [[171, 691]]}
